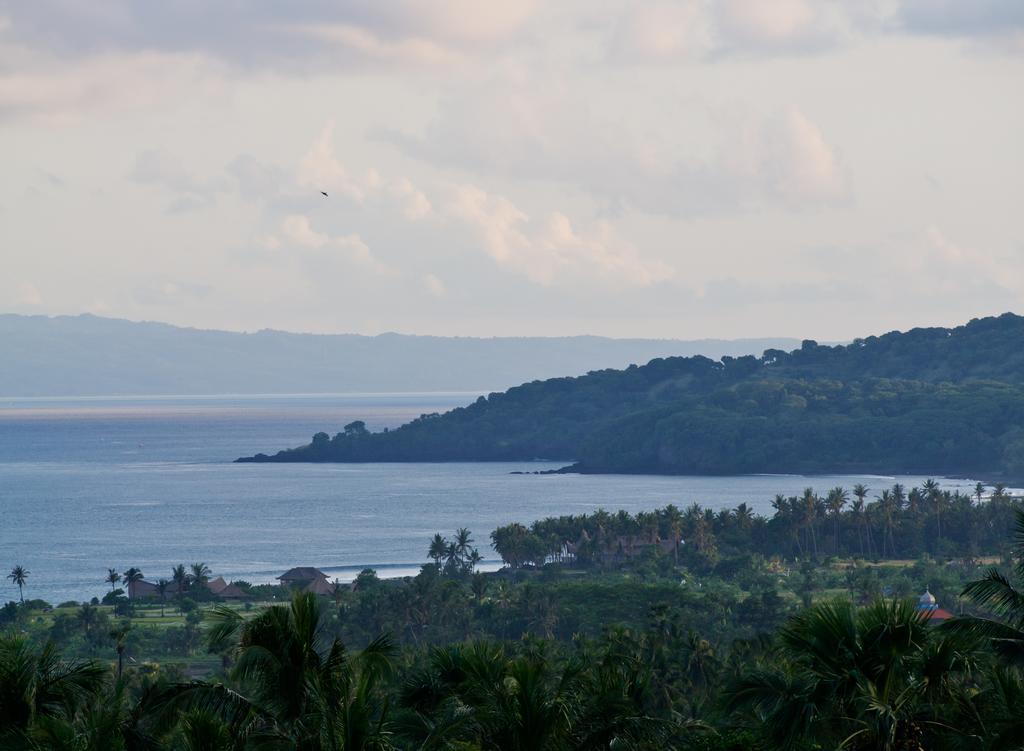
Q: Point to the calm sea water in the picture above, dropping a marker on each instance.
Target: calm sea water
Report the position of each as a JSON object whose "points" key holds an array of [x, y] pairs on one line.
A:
{"points": [[90, 484]]}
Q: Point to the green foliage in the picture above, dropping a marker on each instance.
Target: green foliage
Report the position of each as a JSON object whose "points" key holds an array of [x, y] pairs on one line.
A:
{"points": [[929, 400], [607, 631], [996, 594], [36, 685], [297, 687], [863, 679]]}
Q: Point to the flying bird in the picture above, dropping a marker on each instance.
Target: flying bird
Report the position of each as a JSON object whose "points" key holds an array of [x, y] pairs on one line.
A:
{"points": [[322, 193]]}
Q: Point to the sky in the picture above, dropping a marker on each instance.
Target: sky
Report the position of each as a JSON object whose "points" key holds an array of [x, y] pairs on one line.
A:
{"points": [[684, 169]]}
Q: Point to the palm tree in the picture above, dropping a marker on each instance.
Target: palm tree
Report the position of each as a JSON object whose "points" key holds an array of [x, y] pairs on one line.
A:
{"points": [[511, 543], [200, 574], [131, 576], [933, 493], [88, 618], [699, 660], [112, 578], [542, 615], [809, 508], [36, 685], [161, 589], [19, 575], [462, 541], [997, 593], [504, 594], [302, 688], [200, 730], [835, 501], [860, 492], [119, 634], [451, 558], [674, 521], [438, 548], [180, 578], [481, 698], [887, 507], [857, 511], [104, 720], [744, 516], [979, 491], [786, 512], [478, 586], [858, 678], [915, 502]]}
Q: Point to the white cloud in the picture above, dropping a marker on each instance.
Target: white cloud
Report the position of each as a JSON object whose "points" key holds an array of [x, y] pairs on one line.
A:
{"points": [[434, 286], [55, 91], [369, 45], [297, 228], [719, 160], [551, 251], [947, 266], [464, 20], [662, 32], [760, 24], [788, 158], [669, 119], [320, 169], [357, 252], [659, 31], [415, 204]]}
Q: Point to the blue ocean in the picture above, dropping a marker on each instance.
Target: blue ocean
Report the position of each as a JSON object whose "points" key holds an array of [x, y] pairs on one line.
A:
{"points": [[92, 484]]}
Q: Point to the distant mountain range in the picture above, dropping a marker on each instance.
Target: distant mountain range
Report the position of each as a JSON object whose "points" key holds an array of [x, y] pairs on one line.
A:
{"points": [[87, 355], [929, 401]]}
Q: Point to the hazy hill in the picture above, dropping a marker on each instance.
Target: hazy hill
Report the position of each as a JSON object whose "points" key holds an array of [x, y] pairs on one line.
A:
{"points": [[928, 400], [87, 355]]}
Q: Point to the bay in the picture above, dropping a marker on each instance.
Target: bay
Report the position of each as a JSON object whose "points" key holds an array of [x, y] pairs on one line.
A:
{"points": [[91, 484]]}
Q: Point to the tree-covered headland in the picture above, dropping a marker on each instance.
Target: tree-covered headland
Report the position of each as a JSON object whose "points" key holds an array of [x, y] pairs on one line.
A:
{"points": [[927, 401]]}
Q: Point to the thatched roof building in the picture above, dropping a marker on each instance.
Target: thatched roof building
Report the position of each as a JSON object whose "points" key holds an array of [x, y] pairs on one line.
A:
{"points": [[301, 575]]}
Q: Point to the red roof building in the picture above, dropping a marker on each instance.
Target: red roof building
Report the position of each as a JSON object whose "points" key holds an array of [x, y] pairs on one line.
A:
{"points": [[931, 610]]}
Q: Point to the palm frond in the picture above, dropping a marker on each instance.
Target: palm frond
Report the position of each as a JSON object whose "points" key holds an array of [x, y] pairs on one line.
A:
{"points": [[225, 626], [788, 705], [1018, 542], [996, 592]]}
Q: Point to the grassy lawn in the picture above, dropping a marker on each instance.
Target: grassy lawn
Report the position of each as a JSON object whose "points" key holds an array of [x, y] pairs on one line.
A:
{"points": [[147, 618], [149, 615]]}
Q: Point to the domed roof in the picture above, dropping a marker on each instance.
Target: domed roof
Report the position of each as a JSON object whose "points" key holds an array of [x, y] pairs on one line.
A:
{"points": [[927, 599]]}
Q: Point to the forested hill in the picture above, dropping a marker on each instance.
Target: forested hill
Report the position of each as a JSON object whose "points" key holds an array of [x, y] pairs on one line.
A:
{"points": [[928, 400], [985, 348]]}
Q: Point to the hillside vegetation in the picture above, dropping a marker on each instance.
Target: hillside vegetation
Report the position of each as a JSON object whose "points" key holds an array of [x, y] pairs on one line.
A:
{"points": [[929, 400]]}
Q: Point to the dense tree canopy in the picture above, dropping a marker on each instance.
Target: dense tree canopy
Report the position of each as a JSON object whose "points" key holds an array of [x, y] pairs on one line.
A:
{"points": [[634, 652], [928, 401]]}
